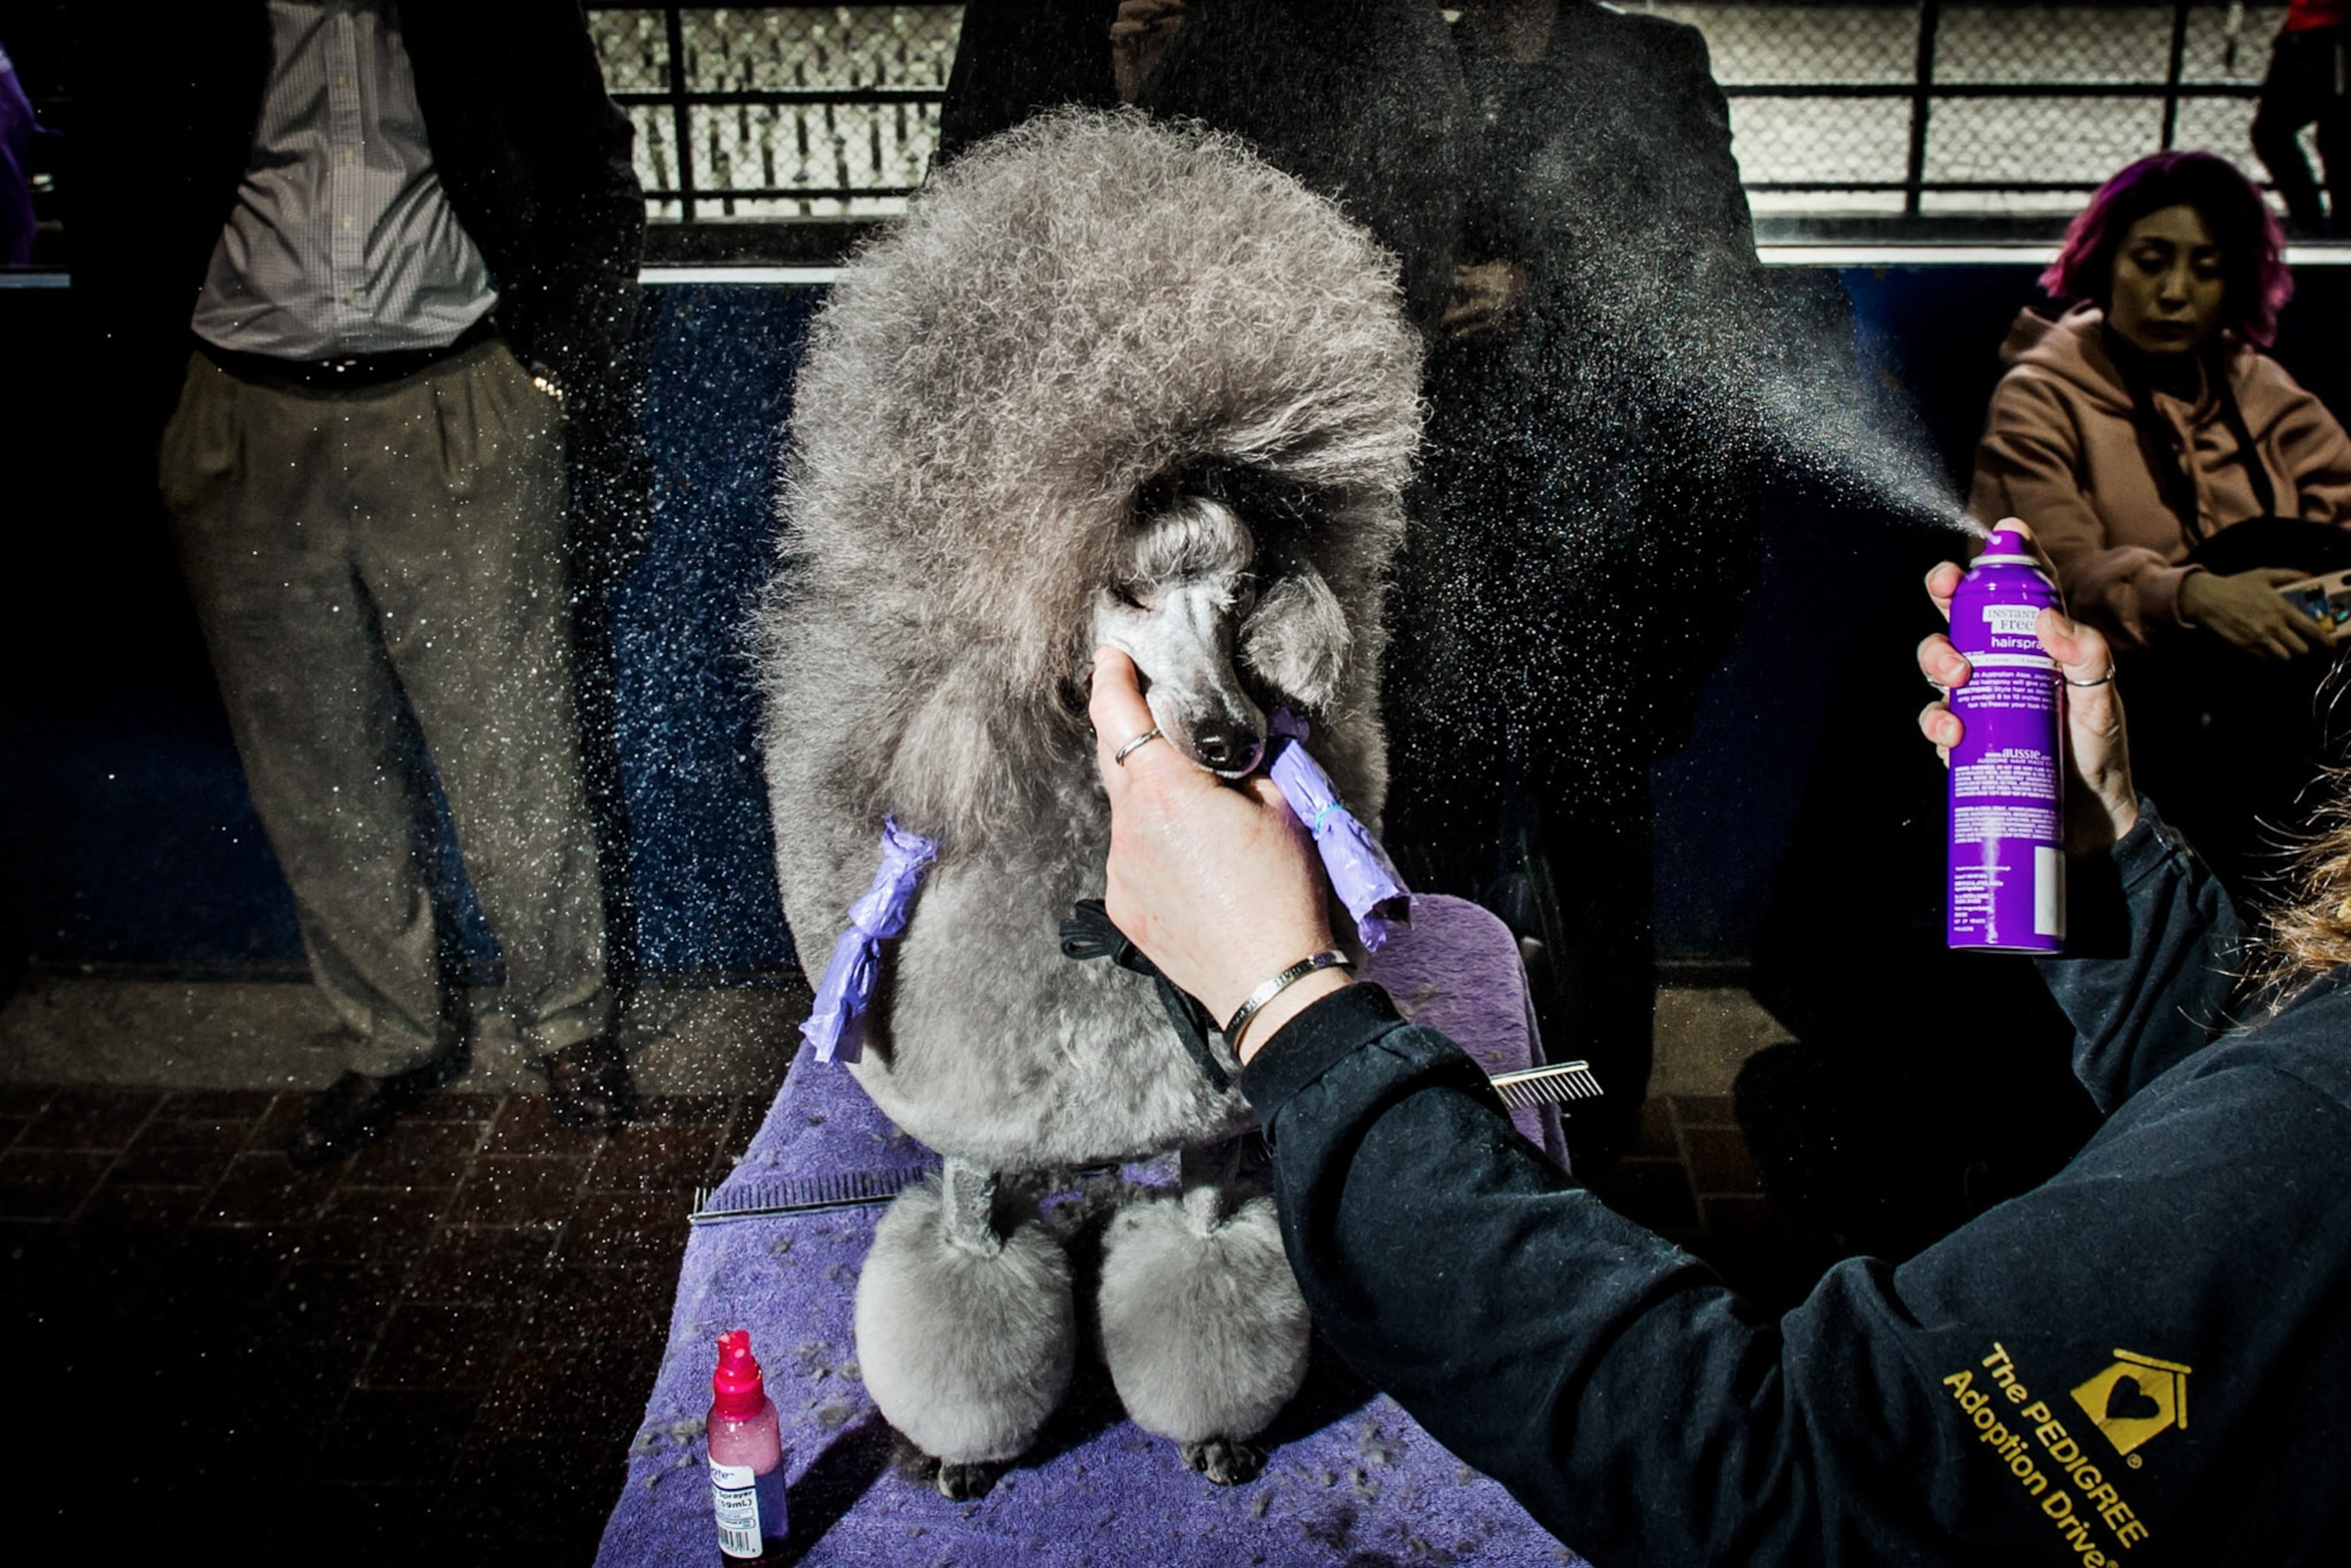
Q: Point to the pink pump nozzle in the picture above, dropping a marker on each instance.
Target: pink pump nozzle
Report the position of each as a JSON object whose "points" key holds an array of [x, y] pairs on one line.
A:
{"points": [[737, 1389]]}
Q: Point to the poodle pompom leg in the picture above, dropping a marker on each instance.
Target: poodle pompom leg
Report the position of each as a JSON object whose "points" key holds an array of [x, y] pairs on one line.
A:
{"points": [[1202, 1323], [1228, 1461], [964, 1328]]}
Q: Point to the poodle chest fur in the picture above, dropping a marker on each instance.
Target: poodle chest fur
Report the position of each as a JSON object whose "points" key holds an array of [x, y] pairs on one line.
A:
{"points": [[998, 1049]]}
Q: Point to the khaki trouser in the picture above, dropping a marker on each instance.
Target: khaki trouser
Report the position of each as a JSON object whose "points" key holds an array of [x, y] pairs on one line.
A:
{"points": [[351, 549]]}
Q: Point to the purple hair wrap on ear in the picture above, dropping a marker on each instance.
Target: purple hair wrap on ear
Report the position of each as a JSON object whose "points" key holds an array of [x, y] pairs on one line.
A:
{"points": [[1360, 871], [837, 1023]]}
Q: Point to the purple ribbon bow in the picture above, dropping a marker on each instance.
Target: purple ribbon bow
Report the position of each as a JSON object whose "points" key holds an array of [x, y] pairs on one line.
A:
{"points": [[1362, 875], [837, 1023]]}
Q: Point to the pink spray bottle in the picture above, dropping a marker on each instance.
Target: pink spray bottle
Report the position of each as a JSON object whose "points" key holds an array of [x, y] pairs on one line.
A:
{"points": [[747, 1454]]}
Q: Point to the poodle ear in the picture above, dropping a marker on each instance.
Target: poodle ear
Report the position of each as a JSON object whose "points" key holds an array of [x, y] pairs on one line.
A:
{"points": [[1298, 638], [948, 773]]}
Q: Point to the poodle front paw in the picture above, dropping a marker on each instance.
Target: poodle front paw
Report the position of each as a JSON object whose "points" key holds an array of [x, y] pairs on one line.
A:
{"points": [[1203, 1327], [1228, 1461], [965, 1350], [966, 1483]]}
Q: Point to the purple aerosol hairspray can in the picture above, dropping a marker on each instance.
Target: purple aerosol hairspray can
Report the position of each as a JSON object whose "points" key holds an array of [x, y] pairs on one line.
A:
{"points": [[2008, 772]]}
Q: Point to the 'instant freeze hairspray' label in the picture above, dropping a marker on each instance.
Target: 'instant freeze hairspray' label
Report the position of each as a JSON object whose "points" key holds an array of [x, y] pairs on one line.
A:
{"points": [[2008, 778]]}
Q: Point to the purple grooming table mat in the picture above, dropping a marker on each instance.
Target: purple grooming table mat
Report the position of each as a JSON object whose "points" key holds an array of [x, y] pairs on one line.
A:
{"points": [[1348, 1474]]}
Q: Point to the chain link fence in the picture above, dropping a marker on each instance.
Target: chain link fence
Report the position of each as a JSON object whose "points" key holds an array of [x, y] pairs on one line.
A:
{"points": [[1913, 112], [1931, 111], [778, 111]]}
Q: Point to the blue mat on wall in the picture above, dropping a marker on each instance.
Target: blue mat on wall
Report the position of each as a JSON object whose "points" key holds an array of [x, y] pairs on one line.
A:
{"points": [[128, 840], [716, 409]]}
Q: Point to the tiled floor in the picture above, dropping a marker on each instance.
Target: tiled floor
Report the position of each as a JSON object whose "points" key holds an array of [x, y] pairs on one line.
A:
{"points": [[437, 1351], [1691, 1179]]}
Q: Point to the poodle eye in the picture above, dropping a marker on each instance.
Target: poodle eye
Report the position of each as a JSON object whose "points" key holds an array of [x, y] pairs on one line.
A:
{"points": [[1128, 597]]}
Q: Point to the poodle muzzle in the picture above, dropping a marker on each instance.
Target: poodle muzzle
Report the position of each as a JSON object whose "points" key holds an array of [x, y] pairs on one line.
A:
{"points": [[1180, 637]]}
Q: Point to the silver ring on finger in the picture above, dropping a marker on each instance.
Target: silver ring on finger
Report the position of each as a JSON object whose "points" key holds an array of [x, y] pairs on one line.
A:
{"points": [[2105, 680], [1137, 743]]}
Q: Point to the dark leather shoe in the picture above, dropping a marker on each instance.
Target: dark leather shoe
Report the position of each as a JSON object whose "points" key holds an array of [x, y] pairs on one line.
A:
{"points": [[354, 1111], [588, 1086]]}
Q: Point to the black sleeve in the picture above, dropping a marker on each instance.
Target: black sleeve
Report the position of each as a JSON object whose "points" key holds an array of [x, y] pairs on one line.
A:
{"points": [[1015, 58], [539, 163], [1634, 1405], [587, 242], [163, 116], [2155, 986], [1516, 1318], [1373, 114]]}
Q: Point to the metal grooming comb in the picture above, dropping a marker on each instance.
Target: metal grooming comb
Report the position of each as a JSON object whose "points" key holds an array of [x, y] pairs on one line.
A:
{"points": [[1535, 1086], [1554, 1085], [806, 1195]]}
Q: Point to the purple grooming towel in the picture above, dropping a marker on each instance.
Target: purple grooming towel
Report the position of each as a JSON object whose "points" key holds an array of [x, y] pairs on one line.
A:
{"points": [[1349, 1477], [1360, 871], [837, 1023]]}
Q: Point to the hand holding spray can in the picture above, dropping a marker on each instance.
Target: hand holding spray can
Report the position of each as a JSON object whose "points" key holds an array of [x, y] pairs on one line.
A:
{"points": [[2008, 773]]}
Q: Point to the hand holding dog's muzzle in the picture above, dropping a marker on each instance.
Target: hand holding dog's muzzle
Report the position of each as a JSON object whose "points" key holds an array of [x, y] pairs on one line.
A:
{"points": [[1216, 882]]}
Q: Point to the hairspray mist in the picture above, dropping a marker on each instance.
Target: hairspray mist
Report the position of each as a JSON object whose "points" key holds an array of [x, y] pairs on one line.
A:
{"points": [[2008, 772]]}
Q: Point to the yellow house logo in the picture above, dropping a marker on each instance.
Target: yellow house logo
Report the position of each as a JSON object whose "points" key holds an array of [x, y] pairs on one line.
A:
{"points": [[2134, 1398]]}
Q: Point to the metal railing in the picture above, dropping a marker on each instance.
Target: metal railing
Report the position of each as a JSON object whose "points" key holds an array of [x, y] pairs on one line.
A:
{"points": [[1926, 110], [777, 111], [1865, 110]]}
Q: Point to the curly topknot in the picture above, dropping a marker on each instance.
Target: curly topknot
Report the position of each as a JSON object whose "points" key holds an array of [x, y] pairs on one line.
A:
{"points": [[1071, 311]]}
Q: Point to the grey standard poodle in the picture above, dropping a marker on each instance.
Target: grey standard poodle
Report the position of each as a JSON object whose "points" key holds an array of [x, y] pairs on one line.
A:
{"points": [[1117, 381]]}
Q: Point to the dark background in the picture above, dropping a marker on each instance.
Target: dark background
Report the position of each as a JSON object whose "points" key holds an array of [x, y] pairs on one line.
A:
{"points": [[128, 842]]}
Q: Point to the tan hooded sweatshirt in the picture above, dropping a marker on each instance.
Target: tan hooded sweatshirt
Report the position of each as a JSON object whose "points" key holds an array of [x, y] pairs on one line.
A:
{"points": [[2061, 451]]}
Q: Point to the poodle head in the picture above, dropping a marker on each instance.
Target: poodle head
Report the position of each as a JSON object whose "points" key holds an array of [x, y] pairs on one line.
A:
{"points": [[1109, 380], [1220, 625]]}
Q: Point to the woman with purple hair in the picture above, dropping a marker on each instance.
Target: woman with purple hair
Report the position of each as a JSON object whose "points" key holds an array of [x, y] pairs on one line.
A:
{"points": [[2178, 477]]}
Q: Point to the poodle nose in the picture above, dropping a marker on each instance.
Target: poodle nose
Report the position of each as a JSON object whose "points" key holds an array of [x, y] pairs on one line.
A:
{"points": [[1227, 748]]}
